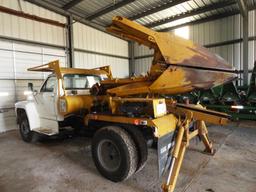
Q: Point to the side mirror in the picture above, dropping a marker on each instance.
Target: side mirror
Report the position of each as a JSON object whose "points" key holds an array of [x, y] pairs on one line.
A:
{"points": [[30, 87], [35, 92]]}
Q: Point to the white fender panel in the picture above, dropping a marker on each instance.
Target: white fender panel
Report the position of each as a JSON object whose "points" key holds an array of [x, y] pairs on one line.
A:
{"points": [[31, 111]]}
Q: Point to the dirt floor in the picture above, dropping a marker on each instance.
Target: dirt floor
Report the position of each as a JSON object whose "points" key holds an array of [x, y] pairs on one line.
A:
{"points": [[65, 164]]}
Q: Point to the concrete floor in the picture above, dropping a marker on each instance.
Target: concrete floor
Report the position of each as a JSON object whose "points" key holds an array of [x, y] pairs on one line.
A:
{"points": [[66, 165]]}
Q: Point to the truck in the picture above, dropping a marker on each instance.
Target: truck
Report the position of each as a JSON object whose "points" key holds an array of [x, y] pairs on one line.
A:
{"points": [[126, 113]]}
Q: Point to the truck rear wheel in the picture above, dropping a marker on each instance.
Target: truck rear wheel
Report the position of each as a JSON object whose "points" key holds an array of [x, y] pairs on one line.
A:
{"points": [[141, 145], [25, 132], [114, 153]]}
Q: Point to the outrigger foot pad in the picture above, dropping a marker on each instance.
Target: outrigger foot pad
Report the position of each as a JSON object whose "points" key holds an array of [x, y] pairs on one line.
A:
{"points": [[209, 152]]}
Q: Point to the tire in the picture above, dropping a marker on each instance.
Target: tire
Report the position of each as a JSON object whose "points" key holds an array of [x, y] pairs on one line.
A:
{"points": [[114, 153], [141, 145], [25, 132]]}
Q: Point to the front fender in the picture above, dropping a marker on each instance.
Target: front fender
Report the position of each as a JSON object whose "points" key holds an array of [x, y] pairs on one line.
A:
{"points": [[31, 112]]}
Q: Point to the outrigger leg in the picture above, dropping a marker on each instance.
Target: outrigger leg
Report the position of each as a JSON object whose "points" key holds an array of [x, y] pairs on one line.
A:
{"points": [[203, 134], [181, 143]]}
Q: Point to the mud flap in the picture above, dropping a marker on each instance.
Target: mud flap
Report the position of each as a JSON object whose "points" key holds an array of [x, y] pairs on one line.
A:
{"points": [[164, 145]]}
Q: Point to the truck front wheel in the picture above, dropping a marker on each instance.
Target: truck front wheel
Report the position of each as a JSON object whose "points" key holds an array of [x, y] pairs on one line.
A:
{"points": [[114, 153], [25, 132]]}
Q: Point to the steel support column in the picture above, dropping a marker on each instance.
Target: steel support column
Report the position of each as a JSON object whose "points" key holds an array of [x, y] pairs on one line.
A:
{"points": [[70, 42], [131, 58], [245, 49], [244, 12]]}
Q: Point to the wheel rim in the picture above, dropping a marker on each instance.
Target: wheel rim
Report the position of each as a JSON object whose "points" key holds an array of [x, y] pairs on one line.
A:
{"points": [[24, 128], [109, 155]]}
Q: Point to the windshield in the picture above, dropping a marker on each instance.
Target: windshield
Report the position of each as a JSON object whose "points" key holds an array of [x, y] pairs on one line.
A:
{"points": [[80, 81]]}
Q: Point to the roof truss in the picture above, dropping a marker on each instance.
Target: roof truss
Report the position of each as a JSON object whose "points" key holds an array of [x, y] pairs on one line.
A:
{"points": [[192, 13], [71, 4], [109, 9], [243, 7], [157, 9], [198, 21]]}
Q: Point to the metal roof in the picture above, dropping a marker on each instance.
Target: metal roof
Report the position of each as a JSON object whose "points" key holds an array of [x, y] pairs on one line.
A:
{"points": [[161, 15]]}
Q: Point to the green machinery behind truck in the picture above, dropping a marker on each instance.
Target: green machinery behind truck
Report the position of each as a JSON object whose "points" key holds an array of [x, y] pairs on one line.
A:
{"points": [[238, 101]]}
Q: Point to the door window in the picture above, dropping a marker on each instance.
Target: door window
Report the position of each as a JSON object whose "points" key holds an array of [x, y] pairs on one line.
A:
{"points": [[49, 85]]}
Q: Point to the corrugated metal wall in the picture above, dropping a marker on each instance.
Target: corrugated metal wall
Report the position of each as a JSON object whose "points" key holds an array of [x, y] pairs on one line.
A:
{"points": [[25, 43], [252, 44], [21, 28], [227, 29], [209, 33], [222, 30], [15, 58], [143, 58], [95, 48], [16, 55]]}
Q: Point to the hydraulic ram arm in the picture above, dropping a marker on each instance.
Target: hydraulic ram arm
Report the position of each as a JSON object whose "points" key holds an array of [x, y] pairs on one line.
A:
{"points": [[132, 31]]}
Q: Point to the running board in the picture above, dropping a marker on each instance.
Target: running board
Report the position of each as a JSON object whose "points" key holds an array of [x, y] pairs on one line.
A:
{"points": [[48, 127], [46, 131]]}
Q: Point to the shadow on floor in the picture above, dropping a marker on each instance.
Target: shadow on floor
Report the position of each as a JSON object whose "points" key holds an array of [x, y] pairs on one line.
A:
{"points": [[65, 163]]}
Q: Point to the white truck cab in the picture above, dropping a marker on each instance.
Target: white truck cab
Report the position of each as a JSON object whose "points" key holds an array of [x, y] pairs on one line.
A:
{"points": [[62, 100]]}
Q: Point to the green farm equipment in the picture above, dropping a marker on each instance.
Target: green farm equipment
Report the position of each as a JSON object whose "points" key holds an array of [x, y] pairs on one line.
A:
{"points": [[237, 101]]}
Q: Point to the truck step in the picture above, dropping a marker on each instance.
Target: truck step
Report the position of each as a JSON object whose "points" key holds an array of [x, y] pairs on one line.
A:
{"points": [[47, 131]]}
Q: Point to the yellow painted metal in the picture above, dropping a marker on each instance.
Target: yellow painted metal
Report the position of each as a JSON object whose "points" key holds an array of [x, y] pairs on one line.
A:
{"points": [[193, 134], [75, 103], [171, 82], [181, 143], [106, 69], [114, 119], [159, 107], [173, 49], [174, 177], [54, 66], [162, 125], [165, 124], [203, 133], [199, 113], [130, 89], [178, 141], [124, 81], [97, 71], [179, 65]]}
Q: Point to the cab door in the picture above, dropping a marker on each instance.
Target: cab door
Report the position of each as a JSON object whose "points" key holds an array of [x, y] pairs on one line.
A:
{"points": [[46, 101]]}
